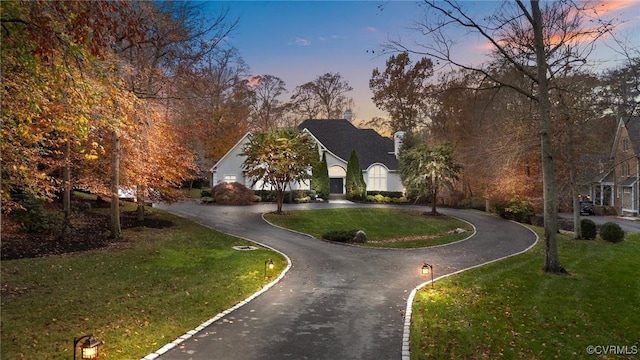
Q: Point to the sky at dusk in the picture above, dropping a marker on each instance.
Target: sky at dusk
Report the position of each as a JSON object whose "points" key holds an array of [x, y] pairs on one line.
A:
{"points": [[298, 41]]}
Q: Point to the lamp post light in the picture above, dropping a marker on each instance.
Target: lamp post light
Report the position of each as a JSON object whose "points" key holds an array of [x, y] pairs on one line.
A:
{"points": [[268, 264], [89, 348], [426, 270]]}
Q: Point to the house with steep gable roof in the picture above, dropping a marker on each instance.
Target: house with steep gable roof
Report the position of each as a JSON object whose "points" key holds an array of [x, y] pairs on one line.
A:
{"points": [[620, 186], [337, 138]]}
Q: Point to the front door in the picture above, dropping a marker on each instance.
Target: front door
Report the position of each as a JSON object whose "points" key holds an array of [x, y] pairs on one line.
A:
{"points": [[336, 186]]}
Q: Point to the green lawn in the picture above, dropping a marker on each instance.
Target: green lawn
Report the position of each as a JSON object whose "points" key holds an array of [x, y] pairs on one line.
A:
{"points": [[135, 296], [390, 228], [511, 309], [194, 193]]}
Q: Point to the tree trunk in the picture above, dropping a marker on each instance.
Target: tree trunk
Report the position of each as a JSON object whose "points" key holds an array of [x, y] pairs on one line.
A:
{"points": [[577, 228], [434, 199], [279, 200], [552, 262], [66, 178], [115, 183], [140, 200]]}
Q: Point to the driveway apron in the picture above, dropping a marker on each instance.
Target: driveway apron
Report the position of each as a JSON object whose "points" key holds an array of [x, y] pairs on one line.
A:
{"points": [[336, 301]]}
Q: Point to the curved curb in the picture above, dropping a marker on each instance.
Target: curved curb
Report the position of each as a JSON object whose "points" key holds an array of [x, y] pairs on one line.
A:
{"points": [[373, 247], [224, 313], [406, 352]]}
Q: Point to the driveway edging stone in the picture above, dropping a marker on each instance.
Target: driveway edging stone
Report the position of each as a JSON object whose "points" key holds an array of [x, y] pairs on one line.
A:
{"points": [[224, 313], [406, 352]]}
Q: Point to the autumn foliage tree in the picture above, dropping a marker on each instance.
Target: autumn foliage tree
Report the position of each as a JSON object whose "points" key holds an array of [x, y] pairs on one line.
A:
{"points": [[540, 40], [59, 79], [402, 90], [86, 89], [213, 105], [279, 157]]}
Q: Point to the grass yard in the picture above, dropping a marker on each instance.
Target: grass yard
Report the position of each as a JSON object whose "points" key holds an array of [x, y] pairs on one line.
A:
{"points": [[511, 309], [194, 193], [389, 228], [136, 295]]}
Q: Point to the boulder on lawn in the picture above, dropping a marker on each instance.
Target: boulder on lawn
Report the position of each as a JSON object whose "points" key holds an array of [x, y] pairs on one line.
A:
{"points": [[360, 237]]}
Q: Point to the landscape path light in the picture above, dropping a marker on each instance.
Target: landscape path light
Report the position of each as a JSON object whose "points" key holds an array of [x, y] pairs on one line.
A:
{"points": [[268, 264], [428, 269], [88, 349]]}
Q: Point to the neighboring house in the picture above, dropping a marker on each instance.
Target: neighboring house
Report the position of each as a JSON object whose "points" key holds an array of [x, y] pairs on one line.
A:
{"points": [[620, 186], [337, 138]]}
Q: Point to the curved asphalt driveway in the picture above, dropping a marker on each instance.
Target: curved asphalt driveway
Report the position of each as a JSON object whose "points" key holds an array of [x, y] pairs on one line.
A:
{"points": [[337, 301]]}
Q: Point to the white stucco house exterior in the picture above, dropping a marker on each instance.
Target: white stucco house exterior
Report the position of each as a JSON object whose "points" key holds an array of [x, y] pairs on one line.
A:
{"points": [[378, 157]]}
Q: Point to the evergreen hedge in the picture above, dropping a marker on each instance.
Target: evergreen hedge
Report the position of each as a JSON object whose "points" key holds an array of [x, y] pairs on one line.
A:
{"points": [[320, 178], [355, 186]]}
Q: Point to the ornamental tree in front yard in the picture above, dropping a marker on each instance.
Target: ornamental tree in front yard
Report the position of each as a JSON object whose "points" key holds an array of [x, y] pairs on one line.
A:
{"points": [[426, 170], [279, 157]]}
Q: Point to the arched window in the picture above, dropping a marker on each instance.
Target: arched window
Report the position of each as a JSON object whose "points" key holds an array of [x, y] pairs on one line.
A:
{"points": [[377, 176]]}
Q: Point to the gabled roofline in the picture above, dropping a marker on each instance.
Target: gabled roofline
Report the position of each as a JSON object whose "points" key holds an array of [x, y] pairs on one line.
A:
{"points": [[213, 168], [323, 147], [615, 139], [601, 177]]}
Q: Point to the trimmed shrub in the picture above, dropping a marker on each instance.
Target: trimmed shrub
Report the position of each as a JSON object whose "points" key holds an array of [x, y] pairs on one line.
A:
{"points": [[266, 195], [232, 194], [516, 209], [588, 228], [340, 235], [34, 218], [207, 200], [611, 232], [288, 196], [476, 202], [205, 193], [391, 194]]}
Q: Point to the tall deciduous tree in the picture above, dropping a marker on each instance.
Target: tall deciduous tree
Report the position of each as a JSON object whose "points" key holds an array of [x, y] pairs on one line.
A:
{"points": [[58, 79], [539, 43], [279, 157], [330, 89], [622, 88], [305, 102], [267, 108], [402, 90], [176, 38], [324, 96], [212, 105]]}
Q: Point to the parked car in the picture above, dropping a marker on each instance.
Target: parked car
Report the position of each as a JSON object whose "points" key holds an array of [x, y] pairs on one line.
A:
{"points": [[587, 208]]}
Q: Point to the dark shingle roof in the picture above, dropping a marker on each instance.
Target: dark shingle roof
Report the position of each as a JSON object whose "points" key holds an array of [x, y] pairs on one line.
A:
{"points": [[341, 137], [633, 128]]}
